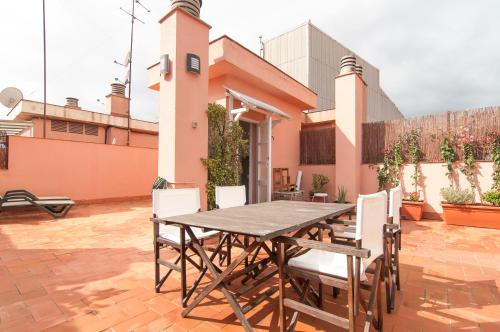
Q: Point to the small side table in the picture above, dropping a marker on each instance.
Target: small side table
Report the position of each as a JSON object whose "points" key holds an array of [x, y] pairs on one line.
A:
{"points": [[322, 196]]}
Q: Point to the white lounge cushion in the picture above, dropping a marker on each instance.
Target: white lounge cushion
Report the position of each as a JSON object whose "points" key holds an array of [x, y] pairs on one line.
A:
{"points": [[325, 262], [172, 233]]}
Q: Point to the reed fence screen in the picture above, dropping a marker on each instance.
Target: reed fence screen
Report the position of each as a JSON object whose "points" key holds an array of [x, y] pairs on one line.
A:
{"points": [[378, 136], [317, 146]]}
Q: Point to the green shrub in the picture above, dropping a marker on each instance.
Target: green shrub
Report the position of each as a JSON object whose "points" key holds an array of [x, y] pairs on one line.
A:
{"points": [[492, 197], [319, 183], [226, 148], [457, 195]]}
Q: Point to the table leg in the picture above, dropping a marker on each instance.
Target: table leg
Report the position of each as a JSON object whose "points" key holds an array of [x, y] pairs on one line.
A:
{"points": [[218, 282]]}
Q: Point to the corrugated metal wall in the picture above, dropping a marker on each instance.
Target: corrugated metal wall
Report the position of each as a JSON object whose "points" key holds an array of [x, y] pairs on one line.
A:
{"points": [[313, 58]]}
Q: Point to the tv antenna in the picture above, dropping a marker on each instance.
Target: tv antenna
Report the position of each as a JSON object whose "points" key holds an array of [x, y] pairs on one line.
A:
{"points": [[128, 59], [10, 97]]}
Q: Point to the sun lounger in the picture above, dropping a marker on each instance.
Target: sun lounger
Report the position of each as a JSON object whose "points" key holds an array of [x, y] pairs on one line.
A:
{"points": [[56, 206]]}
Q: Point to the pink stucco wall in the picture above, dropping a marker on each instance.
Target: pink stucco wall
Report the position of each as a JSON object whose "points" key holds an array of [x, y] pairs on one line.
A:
{"points": [[433, 179], [82, 171]]}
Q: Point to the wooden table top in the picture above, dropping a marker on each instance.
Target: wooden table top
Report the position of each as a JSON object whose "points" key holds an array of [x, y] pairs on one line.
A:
{"points": [[265, 220]]}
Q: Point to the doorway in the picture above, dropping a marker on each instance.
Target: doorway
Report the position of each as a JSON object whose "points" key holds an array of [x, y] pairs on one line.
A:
{"points": [[256, 174]]}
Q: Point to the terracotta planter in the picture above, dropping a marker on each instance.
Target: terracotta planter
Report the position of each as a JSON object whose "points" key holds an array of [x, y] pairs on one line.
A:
{"points": [[472, 215], [412, 210]]}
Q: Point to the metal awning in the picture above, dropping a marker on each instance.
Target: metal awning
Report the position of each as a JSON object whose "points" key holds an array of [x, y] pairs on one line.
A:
{"points": [[252, 103], [13, 128]]}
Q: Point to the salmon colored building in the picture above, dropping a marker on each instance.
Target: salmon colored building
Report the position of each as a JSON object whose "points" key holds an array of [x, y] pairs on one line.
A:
{"points": [[268, 104], [70, 122]]}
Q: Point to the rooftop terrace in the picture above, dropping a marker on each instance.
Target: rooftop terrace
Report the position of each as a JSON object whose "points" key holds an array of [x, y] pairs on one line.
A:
{"points": [[93, 271]]}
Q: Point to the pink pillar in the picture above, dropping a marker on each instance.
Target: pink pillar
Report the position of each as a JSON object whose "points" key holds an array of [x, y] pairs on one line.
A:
{"points": [[183, 124], [350, 110]]}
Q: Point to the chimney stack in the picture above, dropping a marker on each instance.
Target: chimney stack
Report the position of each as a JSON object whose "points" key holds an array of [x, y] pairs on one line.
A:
{"points": [[72, 103], [116, 101], [347, 64], [190, 6]]}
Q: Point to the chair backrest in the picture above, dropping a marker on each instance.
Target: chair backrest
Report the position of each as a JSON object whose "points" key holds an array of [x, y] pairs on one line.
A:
{"points": [[175, 202], [298, 181], [230, 196], [395, 204], [371, 216]]}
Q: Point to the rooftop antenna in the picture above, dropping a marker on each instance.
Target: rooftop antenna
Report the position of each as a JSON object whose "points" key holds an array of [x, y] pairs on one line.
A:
{"points": [[128, 59], [44, 73], [262, 47], [10, 97]]}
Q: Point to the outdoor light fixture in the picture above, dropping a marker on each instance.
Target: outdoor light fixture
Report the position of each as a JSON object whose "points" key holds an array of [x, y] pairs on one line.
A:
{"points": [[164, 64], [193, 63]]}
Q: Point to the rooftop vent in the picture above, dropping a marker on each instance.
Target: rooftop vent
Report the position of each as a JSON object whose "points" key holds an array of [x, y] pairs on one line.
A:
{"points": [[72, 102], [118, 89], [190, 6], [359, 70], [347, 64]]}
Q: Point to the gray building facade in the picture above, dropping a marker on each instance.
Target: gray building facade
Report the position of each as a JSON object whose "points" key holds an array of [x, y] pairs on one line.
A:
{"points": [[313, 58]]}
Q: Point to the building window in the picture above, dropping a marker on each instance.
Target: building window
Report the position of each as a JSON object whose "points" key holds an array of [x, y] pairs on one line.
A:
{"points": [[58, 125], [91, 130], [76, 128]]}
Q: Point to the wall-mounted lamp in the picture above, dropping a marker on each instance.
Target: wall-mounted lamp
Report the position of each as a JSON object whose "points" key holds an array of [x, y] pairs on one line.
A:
{"points": [[164, 64], [193, 63]]}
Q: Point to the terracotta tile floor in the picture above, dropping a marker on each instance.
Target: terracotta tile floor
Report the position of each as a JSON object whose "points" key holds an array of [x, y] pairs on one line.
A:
{"points": [[93, 271]]}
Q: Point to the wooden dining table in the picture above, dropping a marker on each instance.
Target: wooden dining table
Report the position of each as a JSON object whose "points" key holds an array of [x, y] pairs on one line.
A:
{"points": [[260, 222]]}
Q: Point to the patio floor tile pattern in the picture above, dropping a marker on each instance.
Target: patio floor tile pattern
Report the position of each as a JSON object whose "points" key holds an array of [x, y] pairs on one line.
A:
{"points": [[92, 271]]}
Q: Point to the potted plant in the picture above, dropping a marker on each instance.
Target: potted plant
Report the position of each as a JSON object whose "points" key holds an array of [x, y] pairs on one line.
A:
{"points": [[318, 185], [341, 195], [413, 206], [458, 205]]}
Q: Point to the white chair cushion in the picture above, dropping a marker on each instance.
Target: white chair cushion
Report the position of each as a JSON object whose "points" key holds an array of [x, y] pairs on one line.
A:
{"points": [[321, 195], [346, 235], [172, 233], [325, 262]]}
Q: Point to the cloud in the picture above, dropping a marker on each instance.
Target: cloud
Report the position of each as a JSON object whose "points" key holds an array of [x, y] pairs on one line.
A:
{"points": [[433, 56]]}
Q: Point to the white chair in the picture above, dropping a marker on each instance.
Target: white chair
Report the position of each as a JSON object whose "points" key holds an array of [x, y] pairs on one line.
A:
{"points": [[228, 197], [174, 202], [394, 243], [341, 266]]}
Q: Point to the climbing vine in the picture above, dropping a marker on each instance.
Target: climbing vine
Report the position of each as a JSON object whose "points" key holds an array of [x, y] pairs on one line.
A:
{"points": [[226, 148], [448, 156], [415, 153], [468, 168], [495, 157]]}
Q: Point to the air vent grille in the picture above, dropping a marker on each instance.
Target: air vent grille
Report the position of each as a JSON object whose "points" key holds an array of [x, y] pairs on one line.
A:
{"points": [[91, 130], [76, 128], [58, 125]]}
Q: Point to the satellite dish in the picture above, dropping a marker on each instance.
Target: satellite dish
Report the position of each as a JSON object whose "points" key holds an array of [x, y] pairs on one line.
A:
{"points": [[10, 97]]}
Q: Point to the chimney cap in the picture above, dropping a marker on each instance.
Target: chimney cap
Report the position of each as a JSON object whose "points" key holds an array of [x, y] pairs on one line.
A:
{"points": [[190, 6], [347, 64], [118, 89], [71, 101]]}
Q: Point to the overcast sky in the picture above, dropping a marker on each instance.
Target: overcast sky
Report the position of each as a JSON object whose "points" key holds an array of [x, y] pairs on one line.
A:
{"points": [[433, 55]]}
